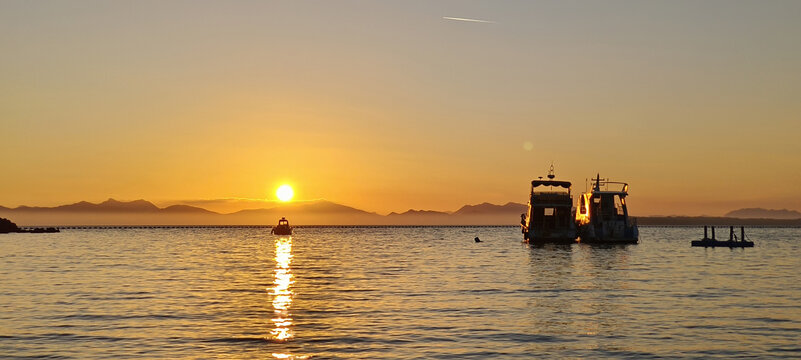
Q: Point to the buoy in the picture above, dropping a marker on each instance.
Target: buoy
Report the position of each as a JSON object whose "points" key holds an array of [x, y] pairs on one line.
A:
{"points": [[477, 239]]}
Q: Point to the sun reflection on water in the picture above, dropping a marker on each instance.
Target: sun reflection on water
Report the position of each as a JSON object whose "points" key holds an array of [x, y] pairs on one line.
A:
{"points": [[281, 291], [290, 356]]}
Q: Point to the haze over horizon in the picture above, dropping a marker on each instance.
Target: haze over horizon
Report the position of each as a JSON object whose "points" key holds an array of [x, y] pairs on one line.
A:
{"points": [[390, 106]]}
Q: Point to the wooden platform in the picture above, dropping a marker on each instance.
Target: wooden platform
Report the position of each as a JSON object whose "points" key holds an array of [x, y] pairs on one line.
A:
{"points": [[718, 243], [733, 241]]}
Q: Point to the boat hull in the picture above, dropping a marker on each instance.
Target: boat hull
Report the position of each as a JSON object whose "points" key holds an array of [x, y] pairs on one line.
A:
{"points": [[553, 236], [621, 234], [608, 241], [552, 240], [280, 230]]}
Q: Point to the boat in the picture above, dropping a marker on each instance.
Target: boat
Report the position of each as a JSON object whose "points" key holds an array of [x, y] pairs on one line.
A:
{"points": [[731, 243], [282, 228], [602, 215], [549, 218]]}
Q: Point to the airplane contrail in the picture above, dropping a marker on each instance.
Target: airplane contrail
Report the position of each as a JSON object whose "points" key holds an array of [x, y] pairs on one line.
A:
{"points": [[468, 20]]}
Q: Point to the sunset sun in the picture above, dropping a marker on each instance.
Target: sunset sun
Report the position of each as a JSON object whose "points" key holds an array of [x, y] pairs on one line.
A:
{"points": [[284, 193]]}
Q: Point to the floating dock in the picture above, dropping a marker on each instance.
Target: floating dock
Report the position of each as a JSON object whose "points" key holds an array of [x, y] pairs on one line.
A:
{"points": [[733, 242]]}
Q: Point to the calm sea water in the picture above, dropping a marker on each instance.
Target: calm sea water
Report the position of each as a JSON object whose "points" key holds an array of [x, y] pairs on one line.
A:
{"points": [[394, 293]]}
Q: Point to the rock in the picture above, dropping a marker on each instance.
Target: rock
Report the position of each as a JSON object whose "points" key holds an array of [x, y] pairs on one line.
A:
{"points": [[6, 226]]}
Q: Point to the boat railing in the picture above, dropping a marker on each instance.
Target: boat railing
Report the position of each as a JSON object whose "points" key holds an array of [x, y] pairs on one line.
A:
{"points": [[598, 183]]}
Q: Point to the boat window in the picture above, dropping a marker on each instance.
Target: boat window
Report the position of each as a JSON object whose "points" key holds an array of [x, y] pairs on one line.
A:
{"points": [[548, 211]]}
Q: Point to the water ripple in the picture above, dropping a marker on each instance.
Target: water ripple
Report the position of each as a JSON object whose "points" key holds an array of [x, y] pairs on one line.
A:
{"points": [[394, 293]]}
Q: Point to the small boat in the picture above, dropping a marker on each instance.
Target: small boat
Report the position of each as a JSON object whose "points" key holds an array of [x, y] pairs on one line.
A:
{"points": [[603, 217], [731, 243], [549, 218], [282, 228]]}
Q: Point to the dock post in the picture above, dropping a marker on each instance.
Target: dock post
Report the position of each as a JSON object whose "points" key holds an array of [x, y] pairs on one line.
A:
{"points": [[713, 233], [742, 233], [705, 238], [731, 233]]}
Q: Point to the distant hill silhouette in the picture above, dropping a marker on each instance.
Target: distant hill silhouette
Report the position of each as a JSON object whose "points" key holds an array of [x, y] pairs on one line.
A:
{"points": [[315, 207], [413, 212], [111, 212], [480, 214], [323, 212], [319, 212], [487, 208], [109, 205], [710, 220], [185, 209], [419, 217], [760, 213], [141, 212]]}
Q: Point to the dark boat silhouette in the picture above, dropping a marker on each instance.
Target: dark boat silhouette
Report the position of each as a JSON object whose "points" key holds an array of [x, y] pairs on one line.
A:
{"points": [[603, 217], [282, 228], [549, 218]]}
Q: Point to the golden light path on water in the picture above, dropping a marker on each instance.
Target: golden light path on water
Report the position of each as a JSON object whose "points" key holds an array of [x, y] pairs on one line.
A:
{"points": [[282, 296], [281, 290]]}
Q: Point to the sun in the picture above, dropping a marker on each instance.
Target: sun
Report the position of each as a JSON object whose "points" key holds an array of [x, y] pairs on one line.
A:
{"points": [[284, 193]]}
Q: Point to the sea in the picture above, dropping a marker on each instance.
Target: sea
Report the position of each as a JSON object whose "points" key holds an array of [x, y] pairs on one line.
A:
{"points": [[394, 293]]}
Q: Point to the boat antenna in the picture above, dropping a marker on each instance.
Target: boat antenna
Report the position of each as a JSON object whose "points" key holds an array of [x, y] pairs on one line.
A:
{"points": [[598, 182]]}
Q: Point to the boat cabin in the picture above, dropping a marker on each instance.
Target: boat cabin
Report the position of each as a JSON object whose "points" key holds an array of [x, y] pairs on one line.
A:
{"points": [[549, 217], [602, 214]]}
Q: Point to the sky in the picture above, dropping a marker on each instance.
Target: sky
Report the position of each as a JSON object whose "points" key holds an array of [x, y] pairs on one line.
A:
{"points": [[392, 105]]}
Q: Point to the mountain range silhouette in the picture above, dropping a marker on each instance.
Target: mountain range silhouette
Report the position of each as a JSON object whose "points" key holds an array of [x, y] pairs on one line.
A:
{"points": [[323, 212]]}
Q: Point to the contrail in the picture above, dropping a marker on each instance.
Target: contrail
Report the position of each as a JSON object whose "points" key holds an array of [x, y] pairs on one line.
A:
{"points": [[468, 20]]}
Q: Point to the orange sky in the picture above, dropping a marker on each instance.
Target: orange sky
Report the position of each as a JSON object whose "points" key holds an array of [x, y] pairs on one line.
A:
{"points": [[387, 106]]}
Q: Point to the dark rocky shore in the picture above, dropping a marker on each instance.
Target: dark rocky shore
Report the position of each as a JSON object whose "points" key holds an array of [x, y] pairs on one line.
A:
{"points": [[7, 226]]}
